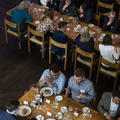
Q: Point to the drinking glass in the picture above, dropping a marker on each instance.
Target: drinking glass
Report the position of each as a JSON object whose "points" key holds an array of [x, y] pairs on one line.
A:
{"points": [[55, 104]]}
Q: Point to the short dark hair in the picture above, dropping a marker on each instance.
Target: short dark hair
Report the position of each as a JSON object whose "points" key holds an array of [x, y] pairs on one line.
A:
{"points": [[107, 40], [62, 24], [79, 72], [12, 105], [116, 93], [84, 6], [54, 68]]}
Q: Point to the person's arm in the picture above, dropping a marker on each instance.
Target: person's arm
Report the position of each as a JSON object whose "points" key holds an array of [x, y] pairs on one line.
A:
{"points": [[59, 87], [42, 80], [100, 106], [114, 26], [116, 54], [68, 87], [105, 26], [28, 17]]}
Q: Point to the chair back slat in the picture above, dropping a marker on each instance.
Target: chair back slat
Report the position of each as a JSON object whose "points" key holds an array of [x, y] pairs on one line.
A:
{"points": [[84, 53], [60, 45], [112, 65]]}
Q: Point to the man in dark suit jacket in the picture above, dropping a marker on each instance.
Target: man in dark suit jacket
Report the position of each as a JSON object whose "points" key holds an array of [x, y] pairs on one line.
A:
{"points": [[109, 105], [9, 113]]}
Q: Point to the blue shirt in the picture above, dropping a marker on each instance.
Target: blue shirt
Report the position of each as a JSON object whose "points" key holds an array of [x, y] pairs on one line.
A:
{"points": [[19, 16], [6, 116], [58, 82], [85, 87]]}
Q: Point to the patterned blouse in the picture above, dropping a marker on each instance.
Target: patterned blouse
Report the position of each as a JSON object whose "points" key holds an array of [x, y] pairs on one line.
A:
{"points": [[45, 25]]}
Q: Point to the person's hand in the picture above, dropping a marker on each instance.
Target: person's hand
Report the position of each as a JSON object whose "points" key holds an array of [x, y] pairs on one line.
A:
{"points": [[47, 79], [64, 8], [109, 23], [67, 92], [108, 117], [80, 96], [82, 16], [48, 1], [118, 118]]}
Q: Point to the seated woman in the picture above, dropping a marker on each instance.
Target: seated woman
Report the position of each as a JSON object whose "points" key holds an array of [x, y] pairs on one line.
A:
{"points": [[85, 43], [110, 23], [108, 51], [59, 36], [46, 23], [85, 14], [67, 7], [20, 14]]}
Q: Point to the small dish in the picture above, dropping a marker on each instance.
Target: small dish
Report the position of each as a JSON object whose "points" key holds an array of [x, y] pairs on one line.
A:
{"points": [[59, 115], [64, 109], [86, 109], [58, 98], [40, 117]]}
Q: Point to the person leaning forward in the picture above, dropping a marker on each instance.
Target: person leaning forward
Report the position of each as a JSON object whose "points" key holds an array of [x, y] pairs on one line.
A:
{"points": [[80, 88], [53, 78]]}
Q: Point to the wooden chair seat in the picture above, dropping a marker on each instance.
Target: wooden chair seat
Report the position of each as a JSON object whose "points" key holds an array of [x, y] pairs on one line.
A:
{"points": [[90, 63], [31, 38], [114, 74], [18, 34]]}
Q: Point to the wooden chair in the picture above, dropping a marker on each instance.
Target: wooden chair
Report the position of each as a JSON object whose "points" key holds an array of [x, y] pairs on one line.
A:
{"points": [[110, 73], [97, 19], [100, 4], [17, 34], [87, 63], [31, 38], [60, 45]]}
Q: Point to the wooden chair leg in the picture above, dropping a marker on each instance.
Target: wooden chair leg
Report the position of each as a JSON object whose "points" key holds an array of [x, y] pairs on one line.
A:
{"points": [[115, 81], [19, 45], [65, 63], [28, 46], [75, 62], [42, 51], [49, 56], [6, 36], [90, 73], [97, 77]]}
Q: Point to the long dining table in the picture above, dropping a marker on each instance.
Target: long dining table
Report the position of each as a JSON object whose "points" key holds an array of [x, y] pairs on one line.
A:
{"points": [[29, 96], [37, 11]]}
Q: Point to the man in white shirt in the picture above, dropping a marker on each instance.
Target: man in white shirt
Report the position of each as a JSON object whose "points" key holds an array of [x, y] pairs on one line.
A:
{"points": [[109, 105]]}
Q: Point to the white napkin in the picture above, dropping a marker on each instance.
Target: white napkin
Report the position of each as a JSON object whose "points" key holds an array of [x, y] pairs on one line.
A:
{"points": [[47, 101], [25, 102], [49, 114]]}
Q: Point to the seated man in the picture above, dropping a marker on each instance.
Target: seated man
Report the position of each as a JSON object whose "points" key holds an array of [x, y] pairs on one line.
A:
{"points": [[53, 78], [59, 36], [109, 105], [110, 23], [10, 112], [80, 88]]}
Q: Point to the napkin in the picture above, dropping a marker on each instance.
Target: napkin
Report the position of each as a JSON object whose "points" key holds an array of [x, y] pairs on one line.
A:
{"points": [[47, 101], [49, 114], [26, 102]]}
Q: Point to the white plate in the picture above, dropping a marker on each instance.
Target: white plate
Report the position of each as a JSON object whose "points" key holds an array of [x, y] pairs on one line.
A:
{"points": [[64, 109], [20, 111], [86, 110], [58, 98], [59, 115], [46, 94], [40, 117]]}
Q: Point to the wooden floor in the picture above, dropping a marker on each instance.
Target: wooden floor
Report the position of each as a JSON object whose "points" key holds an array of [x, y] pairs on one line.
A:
{"points": [[18, 69]]}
